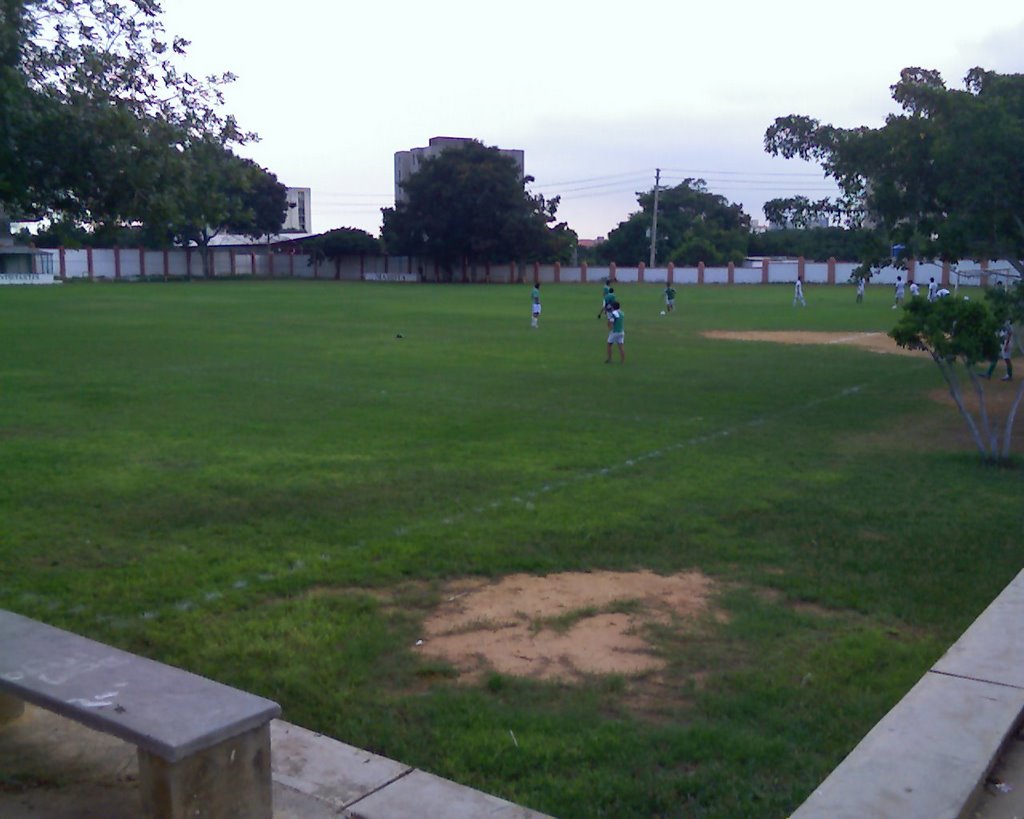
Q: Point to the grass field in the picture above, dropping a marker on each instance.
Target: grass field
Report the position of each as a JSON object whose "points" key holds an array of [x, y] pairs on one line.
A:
{"points": [[270, 483]]}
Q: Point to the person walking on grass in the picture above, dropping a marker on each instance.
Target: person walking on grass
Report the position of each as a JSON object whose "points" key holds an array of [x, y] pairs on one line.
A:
{"points": [[535, 315], [607, 299], [1005, 351], [933, 289], [670, 298], [860, 290], [798, 293], [616, 333], [900, 288]]}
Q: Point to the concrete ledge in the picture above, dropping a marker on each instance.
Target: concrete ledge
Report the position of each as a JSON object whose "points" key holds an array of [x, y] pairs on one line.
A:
{"points": [[929, 756], [318, 776]]}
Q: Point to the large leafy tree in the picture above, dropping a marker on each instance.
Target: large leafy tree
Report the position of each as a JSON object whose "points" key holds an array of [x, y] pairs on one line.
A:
{"points": [[217, 192], [93, 104], [471, 204], [694, 226], [944, 177]]}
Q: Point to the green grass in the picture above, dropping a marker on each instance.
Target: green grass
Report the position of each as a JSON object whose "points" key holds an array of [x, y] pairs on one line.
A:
{"points": [[263, 483]]}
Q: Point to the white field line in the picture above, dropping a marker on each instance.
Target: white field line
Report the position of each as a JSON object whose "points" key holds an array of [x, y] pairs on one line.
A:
{"points": [[523, 499]]}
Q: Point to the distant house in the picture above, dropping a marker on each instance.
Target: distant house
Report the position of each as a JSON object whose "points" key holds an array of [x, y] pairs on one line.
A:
{"points": [[298, 224], [19, 261]]}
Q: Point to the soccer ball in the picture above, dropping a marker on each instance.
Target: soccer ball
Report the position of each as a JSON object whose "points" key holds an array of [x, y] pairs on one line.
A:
{"points": [[663, 312]]}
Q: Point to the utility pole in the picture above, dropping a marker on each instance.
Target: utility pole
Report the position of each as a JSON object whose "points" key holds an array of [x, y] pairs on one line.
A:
{"points": [[654, 224]]}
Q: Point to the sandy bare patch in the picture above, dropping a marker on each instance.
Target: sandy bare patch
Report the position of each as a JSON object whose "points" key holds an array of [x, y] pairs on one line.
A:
{"points": [[560, 626], [874, 342]]}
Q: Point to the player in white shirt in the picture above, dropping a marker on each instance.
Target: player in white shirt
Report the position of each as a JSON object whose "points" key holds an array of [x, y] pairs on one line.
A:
{"points": [[798, 293]]}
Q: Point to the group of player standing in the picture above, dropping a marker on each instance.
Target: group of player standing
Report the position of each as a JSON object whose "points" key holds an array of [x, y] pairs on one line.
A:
{"points": [[934, 291], [610, 309]]}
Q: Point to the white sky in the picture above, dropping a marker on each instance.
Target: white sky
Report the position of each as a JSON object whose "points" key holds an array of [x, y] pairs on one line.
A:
{"points": [[597, 95]]}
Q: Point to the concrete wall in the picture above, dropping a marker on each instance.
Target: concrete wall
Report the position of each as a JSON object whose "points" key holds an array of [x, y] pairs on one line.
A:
{"points": [[129, 264]]}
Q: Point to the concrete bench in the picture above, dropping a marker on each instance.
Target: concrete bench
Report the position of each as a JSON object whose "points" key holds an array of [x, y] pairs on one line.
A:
{"points": [[203, 747]]}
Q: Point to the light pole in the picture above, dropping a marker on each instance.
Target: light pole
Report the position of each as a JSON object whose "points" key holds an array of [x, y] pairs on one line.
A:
{"points": [[654, 223]]}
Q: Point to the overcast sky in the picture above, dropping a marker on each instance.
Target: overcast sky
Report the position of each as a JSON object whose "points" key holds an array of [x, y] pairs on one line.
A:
{"points": [[597, 95]]}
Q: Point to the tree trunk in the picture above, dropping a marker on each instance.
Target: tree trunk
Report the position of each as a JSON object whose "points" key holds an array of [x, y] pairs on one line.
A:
{"points": [[1009, 420], [987, 429], [954, 390]]}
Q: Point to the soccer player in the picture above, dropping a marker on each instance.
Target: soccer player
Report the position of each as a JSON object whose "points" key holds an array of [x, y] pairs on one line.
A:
{"points": [[670, 298], [616, 334], [535, 295], [1005, 351], [933, 289], [798, 292], [860, 290], [607, 299], [899, 292]]}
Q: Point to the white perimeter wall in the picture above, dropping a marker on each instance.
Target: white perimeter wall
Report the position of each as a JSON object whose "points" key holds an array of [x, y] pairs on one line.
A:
{"points": [[109, 264]]}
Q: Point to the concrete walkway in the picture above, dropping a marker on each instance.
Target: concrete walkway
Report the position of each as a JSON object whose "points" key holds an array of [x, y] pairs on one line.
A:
{"points": [[949, 748], [931, 755]]}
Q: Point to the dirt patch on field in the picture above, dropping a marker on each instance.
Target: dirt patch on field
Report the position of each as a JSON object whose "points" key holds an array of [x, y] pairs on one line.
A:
{"points": [[561, 626], [874, 342]]}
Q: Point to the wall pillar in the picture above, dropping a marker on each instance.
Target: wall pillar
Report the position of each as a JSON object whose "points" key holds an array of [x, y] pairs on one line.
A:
{"points": [[611, 271], [167, 264], [640, 273], [232, 262], [732, 273], [536, 272], [142, 263], [558, 272], [117, 262], [671, 273], [832, 270], [801, 265], [945, 273], [583, 273], [700, 272], [63, 263], [765, 265]]}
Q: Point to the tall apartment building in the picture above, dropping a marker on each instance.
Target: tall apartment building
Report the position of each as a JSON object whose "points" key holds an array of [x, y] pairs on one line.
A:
{"points": [[299, 217], [408, 162]]}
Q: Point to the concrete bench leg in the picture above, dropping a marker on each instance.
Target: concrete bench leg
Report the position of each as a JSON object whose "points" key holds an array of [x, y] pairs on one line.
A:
{"points": [[10, 708], [231, 780]]}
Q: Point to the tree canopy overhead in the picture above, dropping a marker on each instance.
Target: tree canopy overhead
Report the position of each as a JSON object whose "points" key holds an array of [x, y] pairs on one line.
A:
{"points": [[470, 203], [945, 177], [694, 226], [99, 119]]}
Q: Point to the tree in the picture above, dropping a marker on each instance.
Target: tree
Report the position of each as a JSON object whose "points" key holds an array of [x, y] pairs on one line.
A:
{"points": [[93, 101], [694, 226], [471, 204], [959, 331], [945, 177], [216, 191], [340, 242]]}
